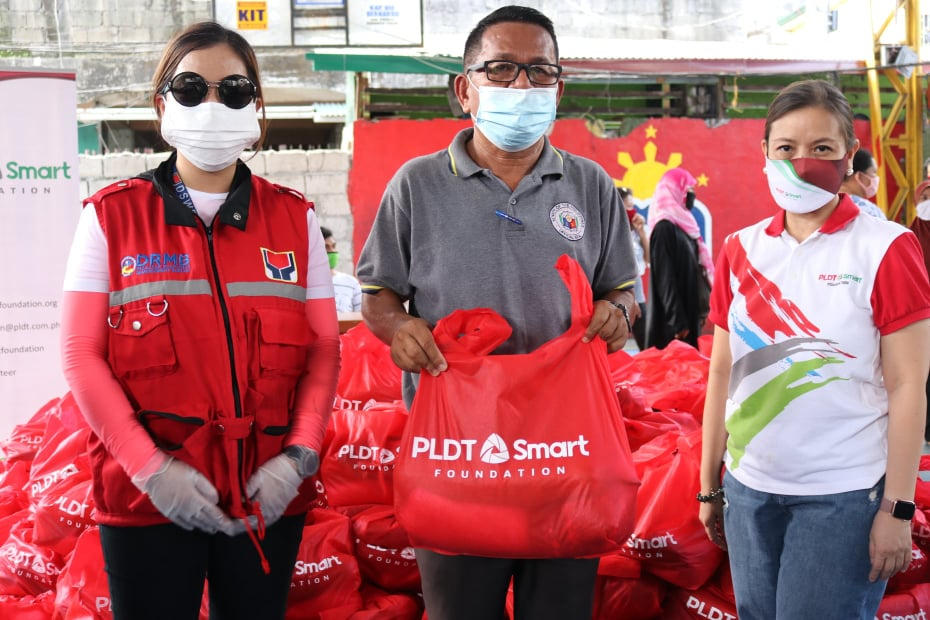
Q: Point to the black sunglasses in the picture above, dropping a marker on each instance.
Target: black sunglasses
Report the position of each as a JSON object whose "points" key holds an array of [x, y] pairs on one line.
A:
{"points": [[190, 89]]}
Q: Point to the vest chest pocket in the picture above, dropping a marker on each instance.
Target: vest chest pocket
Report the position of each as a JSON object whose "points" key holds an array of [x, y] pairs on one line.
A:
{"points": [[284, 341], [140, 340]]}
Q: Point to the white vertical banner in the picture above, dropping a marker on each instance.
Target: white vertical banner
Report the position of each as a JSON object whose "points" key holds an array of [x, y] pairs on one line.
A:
{"points": [[39, 209]]}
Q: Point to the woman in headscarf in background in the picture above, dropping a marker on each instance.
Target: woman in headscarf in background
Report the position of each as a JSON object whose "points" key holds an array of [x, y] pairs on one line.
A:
{"points": [[681, 266]]}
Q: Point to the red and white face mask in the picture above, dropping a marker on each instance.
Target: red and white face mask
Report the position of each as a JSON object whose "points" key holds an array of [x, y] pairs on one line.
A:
{"points": [[804, 184]]}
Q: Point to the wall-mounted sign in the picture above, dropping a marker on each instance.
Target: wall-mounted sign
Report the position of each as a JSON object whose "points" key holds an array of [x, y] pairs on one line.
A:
{"points": [[386, 23], [261, 22], [319, 4], [252, 15]]}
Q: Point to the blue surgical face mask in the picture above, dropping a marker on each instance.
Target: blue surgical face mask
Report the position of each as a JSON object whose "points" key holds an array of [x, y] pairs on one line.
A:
{"points": [[513, 119]]}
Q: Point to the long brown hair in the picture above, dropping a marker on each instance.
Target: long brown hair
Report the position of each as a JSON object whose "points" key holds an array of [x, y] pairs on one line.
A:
{"points": [[201, 36], [812, 93]]}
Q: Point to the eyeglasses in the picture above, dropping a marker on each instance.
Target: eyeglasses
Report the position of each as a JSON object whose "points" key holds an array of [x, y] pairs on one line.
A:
{"points": [[190, 89], [541, 74]]}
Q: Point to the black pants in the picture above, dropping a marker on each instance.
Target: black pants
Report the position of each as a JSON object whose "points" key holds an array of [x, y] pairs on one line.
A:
{"points": [[475, 588], [157, 572]]}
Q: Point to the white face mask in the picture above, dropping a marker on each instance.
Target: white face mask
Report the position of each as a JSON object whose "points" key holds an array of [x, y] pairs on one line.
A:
{"points": [[804, 184], [210, 135], [513, 119], [872, 187], [923, 210]]}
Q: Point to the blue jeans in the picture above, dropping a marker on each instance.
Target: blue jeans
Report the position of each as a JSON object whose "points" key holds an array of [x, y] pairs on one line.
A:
{"points": [[800, 557]]}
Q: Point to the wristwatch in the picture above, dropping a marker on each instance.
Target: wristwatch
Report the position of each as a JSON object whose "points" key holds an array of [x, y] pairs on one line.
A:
{"points": [[305, 459], [899, 508], [626, 314]]}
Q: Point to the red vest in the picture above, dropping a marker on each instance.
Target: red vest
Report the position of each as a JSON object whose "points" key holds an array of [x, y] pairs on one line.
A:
{"points": [[207, 331]]}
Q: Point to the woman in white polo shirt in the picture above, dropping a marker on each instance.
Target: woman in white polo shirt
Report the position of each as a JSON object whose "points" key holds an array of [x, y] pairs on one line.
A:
{"points": [[815, 397]]}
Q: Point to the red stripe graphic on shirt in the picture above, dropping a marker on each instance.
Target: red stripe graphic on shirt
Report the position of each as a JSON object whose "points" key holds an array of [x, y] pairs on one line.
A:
{"points": [[765, 304]]}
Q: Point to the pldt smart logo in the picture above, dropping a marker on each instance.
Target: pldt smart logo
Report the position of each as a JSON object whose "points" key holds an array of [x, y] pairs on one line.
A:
{"points": [[494, 450], [835, 279], [19, 179], [14, 171], [521, 457]]}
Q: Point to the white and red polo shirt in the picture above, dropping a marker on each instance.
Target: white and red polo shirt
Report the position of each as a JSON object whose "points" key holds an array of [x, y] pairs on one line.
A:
{"points": [[807, 410]]}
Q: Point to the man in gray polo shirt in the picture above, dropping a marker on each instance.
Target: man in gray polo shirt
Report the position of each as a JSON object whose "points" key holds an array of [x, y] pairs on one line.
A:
{"points": [[481, 224]]}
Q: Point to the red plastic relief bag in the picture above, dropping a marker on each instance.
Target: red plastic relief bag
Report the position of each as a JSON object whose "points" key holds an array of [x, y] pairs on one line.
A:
{"points": [[617, 598], [26, 439], [39, 607], [918, 571], [491, 463], [63, 513], [702, 604], [912, 604], [359, 454], [922, 489], [27, 568], [82, 590], [59, 461], [651, 424], [920, 530], [12, 497], [383, 550], [381, 605], [669, 539], [367, 371], [326, 575], [673, 378]]}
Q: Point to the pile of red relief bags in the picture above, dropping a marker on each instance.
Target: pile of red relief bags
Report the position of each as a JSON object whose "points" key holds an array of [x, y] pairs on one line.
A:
{"points": [[355, 561]]}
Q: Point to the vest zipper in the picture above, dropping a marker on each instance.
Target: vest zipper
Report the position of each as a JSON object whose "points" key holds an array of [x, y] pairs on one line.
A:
{"points": [[237, 398]]}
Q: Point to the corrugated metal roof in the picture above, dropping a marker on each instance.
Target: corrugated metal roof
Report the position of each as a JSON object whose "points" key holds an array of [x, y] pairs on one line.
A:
{"points": [[671, 49], [643, 56]]}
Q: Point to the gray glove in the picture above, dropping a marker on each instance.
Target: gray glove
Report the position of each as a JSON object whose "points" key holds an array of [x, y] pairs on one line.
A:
{"points": [[187, 498], [274, 485]]}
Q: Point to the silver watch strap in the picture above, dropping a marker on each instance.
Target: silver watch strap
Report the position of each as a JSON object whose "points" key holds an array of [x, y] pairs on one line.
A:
{"points": [[306, 459]]}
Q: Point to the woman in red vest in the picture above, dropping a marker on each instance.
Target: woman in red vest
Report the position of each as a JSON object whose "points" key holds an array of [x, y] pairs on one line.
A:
{"points": [[200, 340]]}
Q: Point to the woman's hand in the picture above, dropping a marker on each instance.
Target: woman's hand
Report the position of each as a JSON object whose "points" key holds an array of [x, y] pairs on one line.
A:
{"points": [[711, 515], [889, 546]]}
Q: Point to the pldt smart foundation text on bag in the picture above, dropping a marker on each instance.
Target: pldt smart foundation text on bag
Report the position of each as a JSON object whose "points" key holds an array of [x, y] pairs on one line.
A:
{"points": [[521, 456]]}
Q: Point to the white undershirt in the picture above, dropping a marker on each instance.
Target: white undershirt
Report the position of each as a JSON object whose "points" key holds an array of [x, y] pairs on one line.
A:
{"points": [[207, 204], [87, 269]]}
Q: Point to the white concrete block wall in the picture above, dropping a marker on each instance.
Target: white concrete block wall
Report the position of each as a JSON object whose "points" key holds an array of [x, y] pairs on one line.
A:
{"points": [[321, 175]]}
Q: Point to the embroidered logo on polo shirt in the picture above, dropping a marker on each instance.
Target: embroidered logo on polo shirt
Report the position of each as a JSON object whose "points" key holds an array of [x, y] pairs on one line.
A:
{"points": [[280, 266], [567, 221], [835, 279], [140, 264]]}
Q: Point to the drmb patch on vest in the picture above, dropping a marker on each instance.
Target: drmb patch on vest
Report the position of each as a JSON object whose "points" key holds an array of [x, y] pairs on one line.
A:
{"points": [[140, 264], [567, 221]]}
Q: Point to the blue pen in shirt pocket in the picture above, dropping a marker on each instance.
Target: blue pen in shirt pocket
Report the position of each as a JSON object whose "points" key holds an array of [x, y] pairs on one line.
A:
{"points": [[507, 217]]}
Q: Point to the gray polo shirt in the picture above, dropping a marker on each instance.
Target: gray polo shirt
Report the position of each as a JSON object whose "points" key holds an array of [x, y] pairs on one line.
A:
{"points": [[437, 239]]}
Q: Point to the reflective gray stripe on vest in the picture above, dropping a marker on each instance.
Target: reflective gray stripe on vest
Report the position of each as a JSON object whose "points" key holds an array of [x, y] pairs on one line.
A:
{"points": [[165, 287], [266, 289]]}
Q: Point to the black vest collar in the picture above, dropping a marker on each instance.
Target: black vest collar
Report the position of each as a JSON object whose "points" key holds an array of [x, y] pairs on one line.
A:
{"points": [[234, 212]]}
